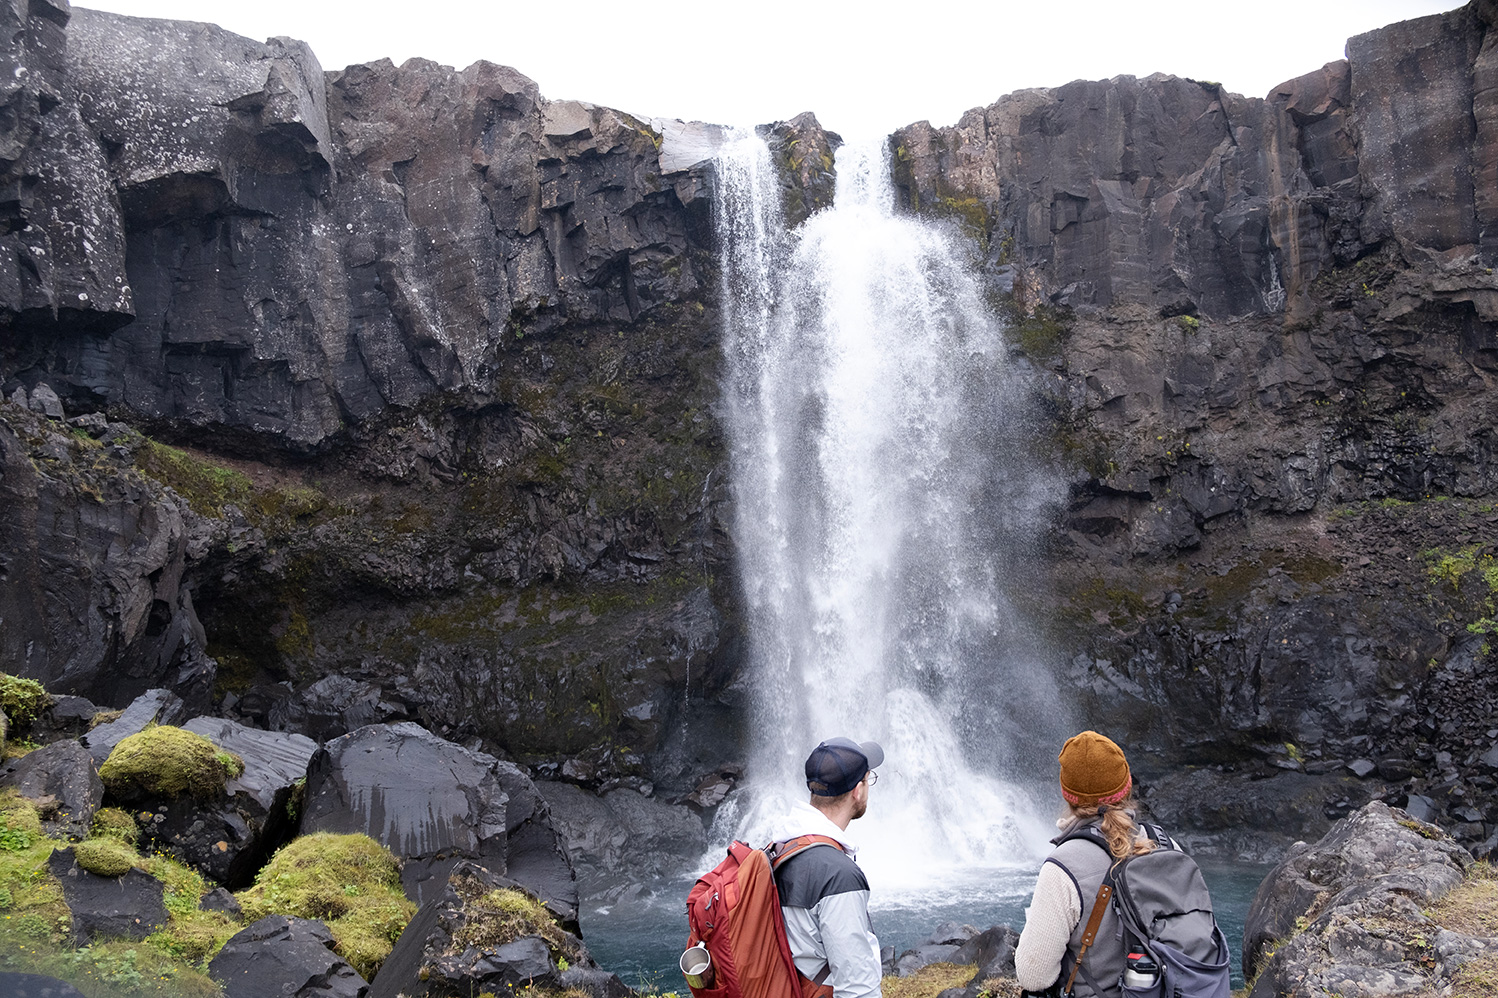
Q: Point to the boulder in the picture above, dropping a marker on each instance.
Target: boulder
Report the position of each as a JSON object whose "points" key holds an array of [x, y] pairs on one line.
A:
{"points": [[448, 948], [62, 781], [1377, 863], [432, 802], [231, 836], [151, 707], [125, 907], [992, 950], [283, 956]]}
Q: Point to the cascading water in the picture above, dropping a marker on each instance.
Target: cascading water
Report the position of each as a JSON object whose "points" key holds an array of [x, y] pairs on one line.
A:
{"points": [[881, 490]]}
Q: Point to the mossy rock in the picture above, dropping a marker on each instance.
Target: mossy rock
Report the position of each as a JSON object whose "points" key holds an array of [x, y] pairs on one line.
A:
{"points": [[113, 823], [502, 915], [107, 857], [22, 699], [165, 761], [350, 882]]}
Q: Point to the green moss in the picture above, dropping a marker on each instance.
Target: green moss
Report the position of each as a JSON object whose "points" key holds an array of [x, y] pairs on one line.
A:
{"points": [[113, 823], [165, 761], [497, 917], [1188, 323], [971, 214], [1041, 334], [107, 857], [22, 699], [351, 882], [20, 824], [207, 487], [191, 934]]}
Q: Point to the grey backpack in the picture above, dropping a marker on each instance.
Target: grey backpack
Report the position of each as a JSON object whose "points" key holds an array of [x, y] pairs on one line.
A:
{"points": [[1166, 911]]}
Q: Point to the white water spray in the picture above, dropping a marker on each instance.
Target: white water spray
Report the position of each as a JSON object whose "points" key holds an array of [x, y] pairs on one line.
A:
{"points": [[879, 487]]}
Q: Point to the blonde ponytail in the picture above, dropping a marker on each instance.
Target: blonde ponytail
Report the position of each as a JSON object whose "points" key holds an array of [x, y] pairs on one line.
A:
{"points": [[1118, 827]]}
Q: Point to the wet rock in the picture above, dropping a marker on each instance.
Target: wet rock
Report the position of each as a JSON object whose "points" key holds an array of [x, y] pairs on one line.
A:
{"points": [[605, 834], [151, 707], [285, 956], [64, 783], [36, 986], [992, 950], [429, 801], [1371, 864], [126, 907]]}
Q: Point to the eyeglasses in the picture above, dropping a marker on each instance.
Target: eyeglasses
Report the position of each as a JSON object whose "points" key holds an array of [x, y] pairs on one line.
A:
{"points": [[872, 777]]}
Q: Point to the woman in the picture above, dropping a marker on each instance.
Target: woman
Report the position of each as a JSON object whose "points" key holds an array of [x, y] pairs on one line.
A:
{"points": [[1098, 788]]}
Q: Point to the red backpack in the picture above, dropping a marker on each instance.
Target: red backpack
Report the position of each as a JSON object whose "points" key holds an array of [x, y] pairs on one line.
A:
{"points": [[734, 911]]}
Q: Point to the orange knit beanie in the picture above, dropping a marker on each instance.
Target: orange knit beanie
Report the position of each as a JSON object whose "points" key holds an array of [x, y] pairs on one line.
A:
{"points": [[1093, 770]]}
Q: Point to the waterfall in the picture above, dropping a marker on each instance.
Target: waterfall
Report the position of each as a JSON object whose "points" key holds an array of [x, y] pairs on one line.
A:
{"points": [[881, 492]]}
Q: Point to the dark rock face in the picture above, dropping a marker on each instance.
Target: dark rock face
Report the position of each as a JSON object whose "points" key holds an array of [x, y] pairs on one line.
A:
{"points": [[61, 779], [285, 956], [93, 594], [1346, 912], [127, 907], [151, 707]]}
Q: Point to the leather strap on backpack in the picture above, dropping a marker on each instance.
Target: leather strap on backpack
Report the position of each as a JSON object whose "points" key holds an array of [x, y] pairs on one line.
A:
{"points": [[1099, 905], [780, 852]]}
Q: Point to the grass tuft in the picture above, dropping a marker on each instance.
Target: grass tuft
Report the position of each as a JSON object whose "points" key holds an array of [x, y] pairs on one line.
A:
{"points": [[351, 882], [930, 981]]}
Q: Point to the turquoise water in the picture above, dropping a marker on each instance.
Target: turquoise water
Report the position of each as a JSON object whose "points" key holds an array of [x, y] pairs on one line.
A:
{"points": [[639, 934]]}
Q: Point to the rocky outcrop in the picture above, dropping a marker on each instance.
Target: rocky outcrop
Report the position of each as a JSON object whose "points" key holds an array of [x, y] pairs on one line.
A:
{"points": [[1345, 914]]}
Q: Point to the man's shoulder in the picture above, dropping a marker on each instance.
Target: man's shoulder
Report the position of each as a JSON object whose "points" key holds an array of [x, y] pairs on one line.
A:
{"points": [[817, 872]]}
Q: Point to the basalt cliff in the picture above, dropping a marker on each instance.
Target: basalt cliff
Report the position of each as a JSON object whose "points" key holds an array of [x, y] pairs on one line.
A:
{"points": [[391, 394]]}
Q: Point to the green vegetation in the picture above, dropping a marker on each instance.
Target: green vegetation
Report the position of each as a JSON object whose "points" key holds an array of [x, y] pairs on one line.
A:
{"points": [[165, 761], [107, 857], [500, 916], [22, 699], [351, 882], [930, 981], [207, 487], [114, 823], [1453, 568], [1188, 323]]}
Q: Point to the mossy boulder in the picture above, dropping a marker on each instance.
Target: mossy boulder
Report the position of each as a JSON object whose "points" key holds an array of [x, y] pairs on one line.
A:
{"points": [[350, 882], [20, 822], [106, 857], [21, 700], [166, 761], [114, 823]]}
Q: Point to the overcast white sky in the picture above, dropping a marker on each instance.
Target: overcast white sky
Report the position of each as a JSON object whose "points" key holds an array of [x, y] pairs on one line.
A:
{"points": [[864, 68]]}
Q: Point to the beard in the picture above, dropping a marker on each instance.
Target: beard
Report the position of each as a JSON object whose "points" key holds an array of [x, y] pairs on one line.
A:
{"points": [[860, 807]]}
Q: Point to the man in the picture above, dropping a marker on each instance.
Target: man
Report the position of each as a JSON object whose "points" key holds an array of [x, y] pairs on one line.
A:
{"points": [[823, 893]]}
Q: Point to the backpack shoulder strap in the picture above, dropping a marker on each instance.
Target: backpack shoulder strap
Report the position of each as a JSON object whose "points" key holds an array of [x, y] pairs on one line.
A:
{"points": [[780, 852], [1099, 905]]}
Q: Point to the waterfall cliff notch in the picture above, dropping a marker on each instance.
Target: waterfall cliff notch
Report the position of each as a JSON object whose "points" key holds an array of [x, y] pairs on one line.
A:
{"points": [[441, 363]]}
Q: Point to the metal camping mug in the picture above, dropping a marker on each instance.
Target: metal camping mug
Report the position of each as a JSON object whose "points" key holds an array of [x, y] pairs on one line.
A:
{"points": [[697, 968]]}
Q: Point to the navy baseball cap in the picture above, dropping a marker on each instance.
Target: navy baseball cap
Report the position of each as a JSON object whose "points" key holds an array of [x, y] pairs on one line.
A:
{"points": [[837, 765]]}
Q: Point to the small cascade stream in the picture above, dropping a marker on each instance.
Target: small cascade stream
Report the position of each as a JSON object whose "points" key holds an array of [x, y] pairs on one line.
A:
{"points": [[881, 493]]}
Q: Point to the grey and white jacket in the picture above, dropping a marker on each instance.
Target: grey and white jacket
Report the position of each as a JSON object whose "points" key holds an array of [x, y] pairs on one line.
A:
{"points": [[825, 899]]}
